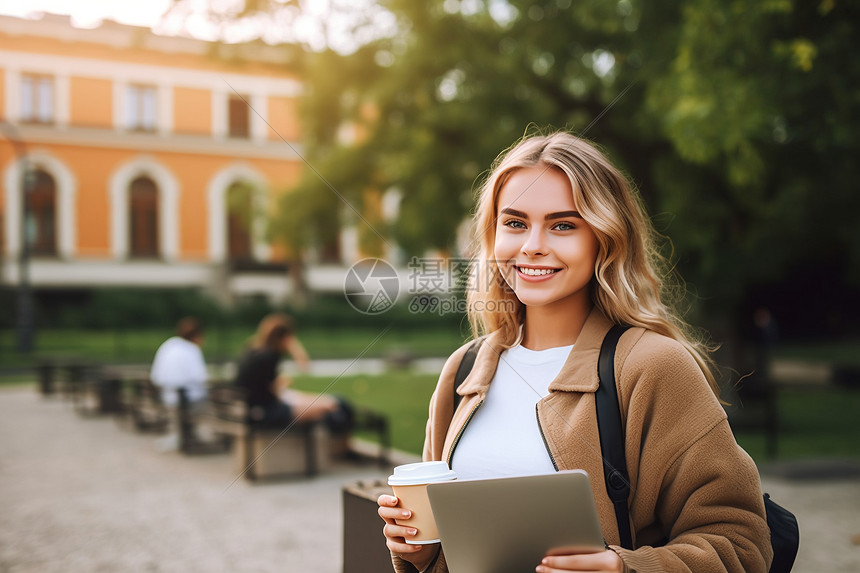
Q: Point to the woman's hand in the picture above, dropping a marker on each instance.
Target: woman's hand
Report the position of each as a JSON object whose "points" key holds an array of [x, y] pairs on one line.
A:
{"points": [[395, 535], [601, 561]]}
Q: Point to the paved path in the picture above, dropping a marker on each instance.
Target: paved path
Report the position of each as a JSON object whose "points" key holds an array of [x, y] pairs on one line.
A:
{"points": [[85, 496]]}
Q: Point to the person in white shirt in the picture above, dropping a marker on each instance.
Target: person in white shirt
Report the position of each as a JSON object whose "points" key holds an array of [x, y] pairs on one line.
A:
{"points": [[179, 363]]}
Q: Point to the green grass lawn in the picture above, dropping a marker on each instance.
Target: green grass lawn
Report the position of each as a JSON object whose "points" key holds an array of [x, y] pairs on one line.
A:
{"points": [[138, 346], [223, 343], [813, 423], [404, 397], [843, 352]]}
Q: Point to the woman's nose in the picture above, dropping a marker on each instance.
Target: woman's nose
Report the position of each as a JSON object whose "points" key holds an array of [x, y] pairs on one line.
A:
{"points": [[534, 244]]}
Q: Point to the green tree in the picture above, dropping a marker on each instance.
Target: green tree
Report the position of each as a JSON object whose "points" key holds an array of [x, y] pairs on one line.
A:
{"points": [[761, 108], [458, 83], [737, 122]]}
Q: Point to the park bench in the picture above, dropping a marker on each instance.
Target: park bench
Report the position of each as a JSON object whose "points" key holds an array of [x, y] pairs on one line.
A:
{"points": [[46, 372], [187, 421], [144, 408], [270, 452], [93, 389], [73, 376], [367, 420], [98, 392], [263, 451], [138, 403], [60, 374]]}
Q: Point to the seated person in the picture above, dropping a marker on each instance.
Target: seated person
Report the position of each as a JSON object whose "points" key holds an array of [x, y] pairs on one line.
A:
{"points": [[179, 363], [270, 400]]}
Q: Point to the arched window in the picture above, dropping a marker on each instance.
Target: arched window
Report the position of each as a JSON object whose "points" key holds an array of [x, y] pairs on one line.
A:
{"points": [[143, 218], [42, 215], [240, 217]]}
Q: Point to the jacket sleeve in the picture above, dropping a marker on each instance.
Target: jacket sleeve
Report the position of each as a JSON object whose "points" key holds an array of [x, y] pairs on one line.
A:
{"points": [[691, 480], [438, 565]]}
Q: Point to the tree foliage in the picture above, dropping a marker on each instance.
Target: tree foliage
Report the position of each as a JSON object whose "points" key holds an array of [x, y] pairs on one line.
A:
{"points": [[737, 121]]}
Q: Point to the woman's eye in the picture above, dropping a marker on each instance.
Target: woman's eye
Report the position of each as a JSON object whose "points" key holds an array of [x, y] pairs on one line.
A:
{"points": [[564, 227], [514, 224]]}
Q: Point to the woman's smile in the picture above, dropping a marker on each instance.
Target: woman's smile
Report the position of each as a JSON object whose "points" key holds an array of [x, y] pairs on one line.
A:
{"points": [[535, 273]]}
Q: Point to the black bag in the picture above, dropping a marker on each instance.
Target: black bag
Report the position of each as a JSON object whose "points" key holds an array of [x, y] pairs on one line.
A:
{"points": [[784, 532], [784, 535]]}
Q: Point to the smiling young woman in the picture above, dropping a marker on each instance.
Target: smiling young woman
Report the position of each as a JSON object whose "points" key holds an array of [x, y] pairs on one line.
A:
{"points": [[566, 251]]}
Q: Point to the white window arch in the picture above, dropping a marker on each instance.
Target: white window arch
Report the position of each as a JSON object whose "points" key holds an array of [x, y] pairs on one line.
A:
{"points": [[66, 186], [217, 193], [168, 206]]}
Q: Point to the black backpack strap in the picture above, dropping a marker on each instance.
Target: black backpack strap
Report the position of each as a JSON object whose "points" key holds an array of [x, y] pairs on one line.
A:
{"points": [[612, 435], [466, 365]]}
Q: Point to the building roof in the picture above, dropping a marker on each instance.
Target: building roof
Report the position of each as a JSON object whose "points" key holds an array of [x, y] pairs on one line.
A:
{"points": [[119, 36]]}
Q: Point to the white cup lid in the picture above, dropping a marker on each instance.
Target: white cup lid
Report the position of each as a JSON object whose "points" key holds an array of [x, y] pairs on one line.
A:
{"points": [[421, 472]]}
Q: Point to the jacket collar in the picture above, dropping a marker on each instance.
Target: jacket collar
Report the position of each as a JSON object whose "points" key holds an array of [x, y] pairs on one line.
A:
{"points": [[579, 373]]}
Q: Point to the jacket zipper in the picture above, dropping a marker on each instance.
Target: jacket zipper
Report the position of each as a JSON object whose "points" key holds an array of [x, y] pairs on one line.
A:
{"points": [[462, 429], [545, 443]]}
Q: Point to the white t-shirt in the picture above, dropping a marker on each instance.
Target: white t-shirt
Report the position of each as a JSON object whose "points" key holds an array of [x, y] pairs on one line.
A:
{"points": [[179, 363], [503, 439]]}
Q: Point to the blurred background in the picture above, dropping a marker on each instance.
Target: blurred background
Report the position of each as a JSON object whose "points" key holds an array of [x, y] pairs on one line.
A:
{"points": [[226, 158]]}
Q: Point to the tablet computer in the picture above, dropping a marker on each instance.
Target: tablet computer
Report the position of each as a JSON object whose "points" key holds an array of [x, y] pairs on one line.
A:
{"points": [[507, 525]]}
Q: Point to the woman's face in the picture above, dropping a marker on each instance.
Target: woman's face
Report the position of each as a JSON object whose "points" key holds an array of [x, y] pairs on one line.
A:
{"points": [[544, 249]]}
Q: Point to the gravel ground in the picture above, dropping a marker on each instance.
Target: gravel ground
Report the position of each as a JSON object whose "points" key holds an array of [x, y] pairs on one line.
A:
{"points": [[84, 495]]}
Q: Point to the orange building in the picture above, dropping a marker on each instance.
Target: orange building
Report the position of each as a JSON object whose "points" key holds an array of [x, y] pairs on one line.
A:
{"points": [[152, 160]]}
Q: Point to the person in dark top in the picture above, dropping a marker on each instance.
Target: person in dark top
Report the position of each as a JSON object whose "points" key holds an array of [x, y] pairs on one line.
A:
{"points": [[270, 400]]}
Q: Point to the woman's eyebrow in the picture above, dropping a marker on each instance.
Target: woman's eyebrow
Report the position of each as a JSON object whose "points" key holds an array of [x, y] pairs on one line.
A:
{"points": [[562, 215], [514, 213], [548, 217]]}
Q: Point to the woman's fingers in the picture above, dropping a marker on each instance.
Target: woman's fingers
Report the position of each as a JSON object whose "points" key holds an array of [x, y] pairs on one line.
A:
{"points": [[389, 509], [395, 536], [389, 514], [387, 500], [601, 561]]}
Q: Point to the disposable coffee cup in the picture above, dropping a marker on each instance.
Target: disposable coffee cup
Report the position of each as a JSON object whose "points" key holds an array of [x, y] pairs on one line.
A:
{"points": [[409, 483]]}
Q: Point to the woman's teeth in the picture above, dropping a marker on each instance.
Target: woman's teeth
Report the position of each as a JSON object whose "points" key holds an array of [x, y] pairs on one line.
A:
{"points": [[536, 272]]}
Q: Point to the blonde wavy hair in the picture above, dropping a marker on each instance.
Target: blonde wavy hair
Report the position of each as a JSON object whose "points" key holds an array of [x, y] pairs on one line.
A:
{"points": [[631, 279]]}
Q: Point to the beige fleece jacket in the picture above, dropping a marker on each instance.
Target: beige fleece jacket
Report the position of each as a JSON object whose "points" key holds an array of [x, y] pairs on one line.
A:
{"points": [[690, 481]]}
